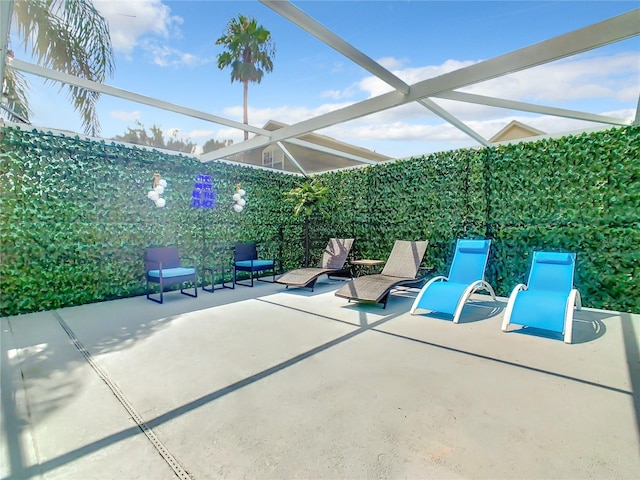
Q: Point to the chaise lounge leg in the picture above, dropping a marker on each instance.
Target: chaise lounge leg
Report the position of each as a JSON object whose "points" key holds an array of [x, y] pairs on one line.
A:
{"points": [[385, 299]]}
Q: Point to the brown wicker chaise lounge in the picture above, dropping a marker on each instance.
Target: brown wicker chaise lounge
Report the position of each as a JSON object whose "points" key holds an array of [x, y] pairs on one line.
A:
{"points": [[332, 262], [400, 270]]}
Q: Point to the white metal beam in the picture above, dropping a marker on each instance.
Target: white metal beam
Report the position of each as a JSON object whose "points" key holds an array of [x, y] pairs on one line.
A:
{"points": [[331, 151], [308, 24], [291, 158], [444, 114], [531, 107], [608, 31], [135, 97]]}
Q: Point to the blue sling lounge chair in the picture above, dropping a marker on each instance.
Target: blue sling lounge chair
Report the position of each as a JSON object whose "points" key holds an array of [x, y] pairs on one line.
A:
{"points": [[466, 276], [549, 298]]}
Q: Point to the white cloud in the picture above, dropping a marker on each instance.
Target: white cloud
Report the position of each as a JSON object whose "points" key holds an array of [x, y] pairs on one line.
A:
{"points": [[166, 56], [197, 150], [348, 92], [189, 135], [230, 134], [413, 128], [126, 116], [332, 94], [200, 134], [392, 63], [583, 77], [284, 113], [146, 24], [130, 20], [373, 86]]}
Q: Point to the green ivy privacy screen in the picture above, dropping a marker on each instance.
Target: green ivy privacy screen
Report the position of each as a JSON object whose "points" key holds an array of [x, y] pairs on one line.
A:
{"points": [[71, 213]]}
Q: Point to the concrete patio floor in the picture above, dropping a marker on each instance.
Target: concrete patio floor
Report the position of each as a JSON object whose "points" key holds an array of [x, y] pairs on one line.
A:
{"points": [[266, 383]]}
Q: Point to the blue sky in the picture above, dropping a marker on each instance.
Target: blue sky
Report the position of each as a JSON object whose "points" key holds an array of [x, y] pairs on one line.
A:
{"points": [[166, 49]]}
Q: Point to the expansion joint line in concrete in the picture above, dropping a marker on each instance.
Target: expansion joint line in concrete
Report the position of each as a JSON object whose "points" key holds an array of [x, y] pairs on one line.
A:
{"points": [[155, 441]]}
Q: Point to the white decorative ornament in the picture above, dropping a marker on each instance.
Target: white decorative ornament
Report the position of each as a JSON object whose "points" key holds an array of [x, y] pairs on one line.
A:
{"points": [[159, 185], [237, 198]]}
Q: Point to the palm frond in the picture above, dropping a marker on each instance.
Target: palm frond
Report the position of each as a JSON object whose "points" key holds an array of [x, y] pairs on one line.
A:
{"points": [[72, 37], [15, 89]]}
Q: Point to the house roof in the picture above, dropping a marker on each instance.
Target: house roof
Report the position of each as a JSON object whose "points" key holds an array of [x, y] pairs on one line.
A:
{"points": [[515, 130], [330, 147]]}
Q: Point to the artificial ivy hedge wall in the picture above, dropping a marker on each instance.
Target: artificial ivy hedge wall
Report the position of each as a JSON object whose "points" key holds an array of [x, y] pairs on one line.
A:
{"points": [[575, 193], [75, 218]]}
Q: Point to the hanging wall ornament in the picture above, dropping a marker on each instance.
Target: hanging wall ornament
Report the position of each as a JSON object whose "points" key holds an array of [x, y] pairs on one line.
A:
{"points": [[159, 184], [239, 202], [203, 195]]}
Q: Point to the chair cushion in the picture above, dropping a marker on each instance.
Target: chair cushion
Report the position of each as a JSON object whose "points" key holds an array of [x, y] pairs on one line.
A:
{"points": [[552, 257], [255, 264], [472, 246], [172, 272]]}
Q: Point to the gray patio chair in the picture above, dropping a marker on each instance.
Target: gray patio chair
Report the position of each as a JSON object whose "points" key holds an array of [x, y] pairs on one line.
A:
{"points": [[400, 270], [332, 262]]}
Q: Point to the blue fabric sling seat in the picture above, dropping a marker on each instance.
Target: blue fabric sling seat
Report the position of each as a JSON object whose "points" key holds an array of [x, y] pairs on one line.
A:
{"points": [[547, 301], [164, 267], [466, 276]]}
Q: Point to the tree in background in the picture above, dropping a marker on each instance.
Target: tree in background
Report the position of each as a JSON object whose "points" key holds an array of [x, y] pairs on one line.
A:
{"points": [[211, 145], [249, 53], [65, 35], [155, 138]]}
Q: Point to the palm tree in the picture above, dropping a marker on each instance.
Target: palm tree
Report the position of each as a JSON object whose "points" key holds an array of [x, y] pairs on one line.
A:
{"points": [[249, 53], [65, 35]]}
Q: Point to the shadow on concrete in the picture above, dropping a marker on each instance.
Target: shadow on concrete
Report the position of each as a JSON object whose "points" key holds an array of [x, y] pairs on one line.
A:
{"points": [[20, 471], [632, 353], [587, 327], [474, 310], [124, 333]]}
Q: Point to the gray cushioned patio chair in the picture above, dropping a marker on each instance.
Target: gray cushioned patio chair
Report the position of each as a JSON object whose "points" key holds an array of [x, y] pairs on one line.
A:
{"points": [[400, 270], [332, 262]]}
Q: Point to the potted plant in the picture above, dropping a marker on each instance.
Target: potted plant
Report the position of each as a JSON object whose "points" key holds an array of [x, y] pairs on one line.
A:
{"points": [[308, 198]]}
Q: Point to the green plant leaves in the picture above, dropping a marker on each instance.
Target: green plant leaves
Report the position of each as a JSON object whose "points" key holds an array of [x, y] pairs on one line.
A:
{"points": [[74, 213]]}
